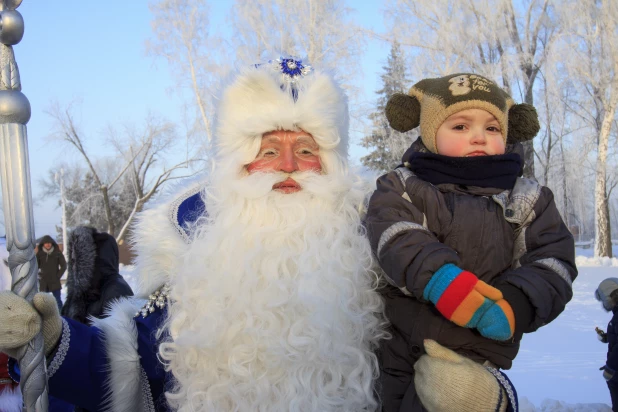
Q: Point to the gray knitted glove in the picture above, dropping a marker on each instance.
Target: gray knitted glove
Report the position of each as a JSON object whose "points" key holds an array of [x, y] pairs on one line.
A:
{"points": [[20, 322], [446, 381]]}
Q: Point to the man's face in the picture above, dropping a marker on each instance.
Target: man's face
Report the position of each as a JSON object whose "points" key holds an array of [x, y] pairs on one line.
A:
{"points": [[287, 151], [47, 245]]}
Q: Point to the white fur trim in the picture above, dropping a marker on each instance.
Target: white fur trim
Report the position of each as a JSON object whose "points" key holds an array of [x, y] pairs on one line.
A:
{"points": [[124, 388], [157, 242], [11, 400], [255, 103], [365, 182]]}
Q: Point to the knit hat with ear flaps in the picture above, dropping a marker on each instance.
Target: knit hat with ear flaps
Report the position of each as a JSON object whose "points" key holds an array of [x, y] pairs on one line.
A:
{"points": [[431, 101]]}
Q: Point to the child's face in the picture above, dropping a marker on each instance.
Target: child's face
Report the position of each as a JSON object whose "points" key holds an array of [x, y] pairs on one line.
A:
{"points": [[472, 132]]}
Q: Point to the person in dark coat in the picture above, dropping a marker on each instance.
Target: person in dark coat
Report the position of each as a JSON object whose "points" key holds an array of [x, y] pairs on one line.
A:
{"points": [[607, 294], [94, 280], [52, 265], [475, 255]]}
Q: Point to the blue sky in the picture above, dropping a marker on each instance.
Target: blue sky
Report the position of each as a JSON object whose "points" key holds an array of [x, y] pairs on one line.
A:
{"points": [[94, 52]]}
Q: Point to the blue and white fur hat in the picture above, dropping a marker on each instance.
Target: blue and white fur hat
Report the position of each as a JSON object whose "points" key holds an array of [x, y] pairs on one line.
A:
{"points": [[283, 94]]}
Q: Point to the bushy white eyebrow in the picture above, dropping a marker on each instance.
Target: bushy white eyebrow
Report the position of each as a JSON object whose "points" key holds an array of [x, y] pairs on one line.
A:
{"points": [[303, 139]]}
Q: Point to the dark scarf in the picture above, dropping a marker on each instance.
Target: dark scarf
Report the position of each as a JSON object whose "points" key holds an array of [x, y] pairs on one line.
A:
{"points": [[498, 171]]}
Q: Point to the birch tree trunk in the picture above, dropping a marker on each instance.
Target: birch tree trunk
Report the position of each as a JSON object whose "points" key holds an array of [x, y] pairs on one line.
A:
{"points": [[602, 237]]}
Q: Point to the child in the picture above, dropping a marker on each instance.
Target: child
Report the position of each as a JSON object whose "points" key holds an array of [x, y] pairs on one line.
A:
{"points": [[475, 254], [607, 294]]}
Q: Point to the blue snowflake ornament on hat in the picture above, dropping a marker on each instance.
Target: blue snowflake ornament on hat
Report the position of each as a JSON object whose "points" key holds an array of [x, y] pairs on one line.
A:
{"points": [[291, 70]]}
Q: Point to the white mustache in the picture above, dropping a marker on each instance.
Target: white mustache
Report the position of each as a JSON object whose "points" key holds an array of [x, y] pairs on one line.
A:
{"points": [[260, 184]]}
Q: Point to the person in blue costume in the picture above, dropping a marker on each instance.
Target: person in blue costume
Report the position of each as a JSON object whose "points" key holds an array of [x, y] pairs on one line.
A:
{"points": [[267, 301], [256, 283]]}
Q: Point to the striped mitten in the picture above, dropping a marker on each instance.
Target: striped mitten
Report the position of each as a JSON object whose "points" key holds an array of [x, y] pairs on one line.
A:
{"points": [[469, 302]]}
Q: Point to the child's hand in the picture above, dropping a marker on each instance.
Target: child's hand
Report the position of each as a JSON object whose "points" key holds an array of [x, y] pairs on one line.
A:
{"points": [[469, 302], [498, 322], [602, 336], [608, 373]]}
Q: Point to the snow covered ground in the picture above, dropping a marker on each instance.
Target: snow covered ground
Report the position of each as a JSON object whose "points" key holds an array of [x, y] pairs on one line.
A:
{"points": [[562, 360], [557, 368]]}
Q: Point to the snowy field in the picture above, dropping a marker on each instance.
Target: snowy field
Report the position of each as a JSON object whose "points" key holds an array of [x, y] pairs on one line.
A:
{"points": [[557, 368], [561, 360]]}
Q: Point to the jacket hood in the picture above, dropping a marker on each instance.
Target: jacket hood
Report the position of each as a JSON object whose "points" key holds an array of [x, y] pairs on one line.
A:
{"points": [[93, 259], [47, 239], [605, 293]]}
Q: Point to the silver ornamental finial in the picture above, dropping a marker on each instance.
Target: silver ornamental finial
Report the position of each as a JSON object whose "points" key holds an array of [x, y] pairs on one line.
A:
{"points": [[14, 106]]}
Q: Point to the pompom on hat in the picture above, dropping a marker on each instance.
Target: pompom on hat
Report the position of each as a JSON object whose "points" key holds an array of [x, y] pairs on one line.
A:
{"points": [[283, 94], [431, 101]]}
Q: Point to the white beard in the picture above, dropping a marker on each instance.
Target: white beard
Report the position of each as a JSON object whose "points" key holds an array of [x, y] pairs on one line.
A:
{"points": [[275, 302]]}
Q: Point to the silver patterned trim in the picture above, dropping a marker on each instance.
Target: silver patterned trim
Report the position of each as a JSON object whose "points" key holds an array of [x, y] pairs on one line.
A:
{"points": [[505, 384], [404, 174], [146, 392], [63, 348], [394, 230], [173, 212], [558, 267]]}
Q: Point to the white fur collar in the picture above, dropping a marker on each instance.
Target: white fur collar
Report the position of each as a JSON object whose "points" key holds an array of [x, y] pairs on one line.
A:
{"points": [[124, 388], [158, 240]]}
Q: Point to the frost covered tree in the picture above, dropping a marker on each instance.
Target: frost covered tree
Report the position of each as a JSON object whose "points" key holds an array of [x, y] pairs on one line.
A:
{"points": [[593, 42], [386, 144], [503, 40], [141, 165], [322, 31], [147, 149], [83, 199], [67, 131], [183, 37], [201, 55]]}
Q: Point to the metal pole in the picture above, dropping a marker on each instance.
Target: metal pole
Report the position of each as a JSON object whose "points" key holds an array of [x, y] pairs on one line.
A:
{"points": [[17, 199]]}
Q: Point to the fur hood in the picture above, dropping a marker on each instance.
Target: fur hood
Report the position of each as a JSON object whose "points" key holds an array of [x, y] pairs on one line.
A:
{"points": [[93, 258]]}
